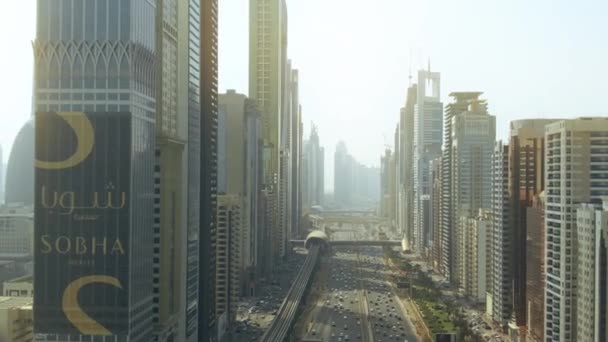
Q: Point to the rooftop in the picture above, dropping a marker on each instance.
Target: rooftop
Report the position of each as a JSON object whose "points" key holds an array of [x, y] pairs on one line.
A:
{"points": [[16, 302]]}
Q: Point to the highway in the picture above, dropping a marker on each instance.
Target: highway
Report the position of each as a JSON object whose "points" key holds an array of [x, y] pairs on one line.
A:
{"points": [[358, 304]]}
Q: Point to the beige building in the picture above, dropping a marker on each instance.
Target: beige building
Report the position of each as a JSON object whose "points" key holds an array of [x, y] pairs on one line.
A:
{"points": [[17, 231], [18, 287], [16, 319], [473, 234], [592, 232], [576, 170]]}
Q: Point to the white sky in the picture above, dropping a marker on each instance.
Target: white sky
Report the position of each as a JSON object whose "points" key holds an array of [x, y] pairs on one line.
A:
{"points": [[531, 58]]}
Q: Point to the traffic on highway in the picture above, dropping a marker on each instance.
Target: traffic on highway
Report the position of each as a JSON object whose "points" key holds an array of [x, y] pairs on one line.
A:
{"points": [[358, 304]]}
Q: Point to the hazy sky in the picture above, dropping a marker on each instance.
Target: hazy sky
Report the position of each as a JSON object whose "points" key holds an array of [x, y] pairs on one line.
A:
{"points": [[535, 58]]}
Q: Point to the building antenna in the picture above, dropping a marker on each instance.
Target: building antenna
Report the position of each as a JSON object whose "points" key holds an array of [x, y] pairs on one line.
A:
{"points": [[429, 68]]}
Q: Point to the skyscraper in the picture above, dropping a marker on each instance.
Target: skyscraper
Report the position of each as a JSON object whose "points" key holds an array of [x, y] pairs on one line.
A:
{"points": [[171, 203], [501, 237], [313, 173], [207, 74], [267, 67], [228, 244], [295, 153], [239, 165], [591, 272], [526, 180], [100, 64], [189, 54], [406, 124], [575, 166], [473, 134], [343, 194], [448, 219], [428, 114], [19, 179], [535, 268]]}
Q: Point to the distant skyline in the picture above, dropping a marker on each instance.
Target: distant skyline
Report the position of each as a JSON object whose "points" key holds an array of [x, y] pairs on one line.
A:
{"points": [[532, 59]]}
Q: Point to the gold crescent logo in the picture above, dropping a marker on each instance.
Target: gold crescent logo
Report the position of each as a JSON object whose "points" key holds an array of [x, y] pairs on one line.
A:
{"points": [[85, 138], [83, 322]]}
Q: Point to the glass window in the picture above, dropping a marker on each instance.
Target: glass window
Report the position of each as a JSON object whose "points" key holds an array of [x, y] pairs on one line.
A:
{"points": [[100, 77], [89, 74], [113, 20], [66, 73], [54, 73], [66, 20], [102, 19], [43, 20], [89, 18], [77, 73], [125, 12], [53, 12], [113, 73], [77, 13]]}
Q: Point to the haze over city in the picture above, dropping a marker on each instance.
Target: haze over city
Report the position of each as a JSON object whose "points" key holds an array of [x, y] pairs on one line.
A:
{"points": [[303, 170], [355, 57]]}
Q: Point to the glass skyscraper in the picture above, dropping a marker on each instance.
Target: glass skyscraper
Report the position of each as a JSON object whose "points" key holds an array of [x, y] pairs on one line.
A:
{"points": [[99, 56]]}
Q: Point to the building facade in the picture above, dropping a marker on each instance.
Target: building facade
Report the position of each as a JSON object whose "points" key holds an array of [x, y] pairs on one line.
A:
{"points": [[535, 268], [406, 164], [526, 180], [101, 59], [592, 231], [576, 164], [428, 115], [16, 319], [17, 231], [473, 134], [448, 218], [501, 238], [228, 259]]}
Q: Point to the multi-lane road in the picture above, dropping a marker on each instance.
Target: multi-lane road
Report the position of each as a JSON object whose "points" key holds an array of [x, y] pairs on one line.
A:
{"points": [[358, 303]]}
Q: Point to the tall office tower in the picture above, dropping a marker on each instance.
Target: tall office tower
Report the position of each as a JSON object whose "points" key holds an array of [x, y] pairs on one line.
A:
{"points": [[526, 180], [228, 244], [295, 153], [575, 157], [535, 268], [406, 123], [385, 171], [19, 182], [473, 240], [95, 76], [286, 168], [473, 136], [207, 75], [313, 171], [267, 212], [591, 272], [437, 245], [501, 243], [172, 202], [343, 194], [267, 66], [428, 113], [393, 182], [238, 171], [459, 104], [254, 142]]}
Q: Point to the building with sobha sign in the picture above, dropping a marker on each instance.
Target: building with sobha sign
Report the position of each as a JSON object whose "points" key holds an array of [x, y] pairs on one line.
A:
{"points": [[87, 269]]}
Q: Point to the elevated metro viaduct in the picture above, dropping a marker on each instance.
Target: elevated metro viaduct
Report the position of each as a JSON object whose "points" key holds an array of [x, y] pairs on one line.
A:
{"points": [[318, 237]]}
